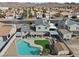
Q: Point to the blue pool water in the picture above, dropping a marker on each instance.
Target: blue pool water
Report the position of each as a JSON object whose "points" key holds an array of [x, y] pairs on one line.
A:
{"points": [[24, 48]]}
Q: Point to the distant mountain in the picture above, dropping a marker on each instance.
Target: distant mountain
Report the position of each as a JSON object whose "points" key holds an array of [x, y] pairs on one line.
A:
{"points": [[28, 4]]}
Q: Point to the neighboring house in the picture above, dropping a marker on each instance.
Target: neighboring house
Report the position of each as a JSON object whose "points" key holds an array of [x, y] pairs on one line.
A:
{"points": [[41, 25], [69, 22], [4, 8], [47, 15], [75, 13], [72, 25], [23, 30], [65, 13], [60, 24], [65, 34], [18, 13], [39, 15], [55, 20], [18, 16], [9, 15], [44, 26], [6, 32]]}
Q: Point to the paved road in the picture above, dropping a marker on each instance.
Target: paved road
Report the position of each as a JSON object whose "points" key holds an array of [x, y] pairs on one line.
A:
{"points": [[14, 22]]}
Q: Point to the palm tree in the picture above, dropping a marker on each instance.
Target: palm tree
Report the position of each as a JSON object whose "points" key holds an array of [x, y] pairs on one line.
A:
{"points": [[2, 14], [24, 14], [30, 13]]}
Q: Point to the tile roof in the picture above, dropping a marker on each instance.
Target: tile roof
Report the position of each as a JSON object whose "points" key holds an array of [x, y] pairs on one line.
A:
{"points": [[71, 22], [64, 31], [41, 22]]}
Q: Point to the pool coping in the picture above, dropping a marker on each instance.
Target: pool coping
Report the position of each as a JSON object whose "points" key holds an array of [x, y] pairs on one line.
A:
{"points": [[7, 46], [23, 55]]}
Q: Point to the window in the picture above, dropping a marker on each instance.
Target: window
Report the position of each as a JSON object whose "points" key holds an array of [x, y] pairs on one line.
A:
{"points": [[4, 38], [69, 27], [52, 29], [45, 27], [18, 30], [8, 35], [39, 28], [24, 32]]}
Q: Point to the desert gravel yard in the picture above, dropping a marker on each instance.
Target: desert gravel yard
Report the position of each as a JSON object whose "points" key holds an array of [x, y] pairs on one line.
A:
{"points": [[74, 45]]}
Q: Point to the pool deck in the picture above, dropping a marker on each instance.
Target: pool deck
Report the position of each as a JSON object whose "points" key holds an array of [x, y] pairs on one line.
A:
{"points": [[31, 41], [11, 51]]}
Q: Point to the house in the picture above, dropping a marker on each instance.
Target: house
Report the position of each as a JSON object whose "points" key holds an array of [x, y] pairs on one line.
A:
{"points": [[47, 15], [18, 16], [9, 15], [4, 8], [41, 25], [65, 13], [6, 32], [18, 13], [53, 12], [39, 15], [55, 20], [61, 48], [75, 13], [72, 25], [65, 34], [69, 22], [23, 29]]}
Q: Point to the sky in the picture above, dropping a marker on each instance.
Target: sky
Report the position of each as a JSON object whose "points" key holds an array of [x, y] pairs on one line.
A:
{"points": [[39, 1]]}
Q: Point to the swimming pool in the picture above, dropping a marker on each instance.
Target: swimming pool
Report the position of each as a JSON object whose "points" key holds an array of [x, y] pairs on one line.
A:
{"points": [[24, 48]]}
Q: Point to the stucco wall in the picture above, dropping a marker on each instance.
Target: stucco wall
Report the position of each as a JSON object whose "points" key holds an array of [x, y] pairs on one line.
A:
{"points": [[67, 36], [42, 28]]}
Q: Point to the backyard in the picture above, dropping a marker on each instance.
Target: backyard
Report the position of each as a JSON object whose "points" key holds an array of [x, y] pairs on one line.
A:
{"points": [[44, 44]]}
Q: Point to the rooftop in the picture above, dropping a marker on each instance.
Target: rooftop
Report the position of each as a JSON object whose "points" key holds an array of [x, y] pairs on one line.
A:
{"points": [[64, 31], [52, 26], [70, 22], [41, 22]]}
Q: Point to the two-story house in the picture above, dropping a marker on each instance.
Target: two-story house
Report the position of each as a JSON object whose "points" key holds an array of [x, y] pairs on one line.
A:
{"points": [[41, 25]]}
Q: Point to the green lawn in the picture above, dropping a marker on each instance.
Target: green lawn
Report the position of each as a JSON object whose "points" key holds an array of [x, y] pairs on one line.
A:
{"points": [[43, 43]]}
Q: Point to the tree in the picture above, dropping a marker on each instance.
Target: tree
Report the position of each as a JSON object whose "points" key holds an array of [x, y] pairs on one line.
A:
{"points": [[65, 16], [24, 14], [30, 13], [2, 15], [57, 15], [44, 10], [43, 15]]}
